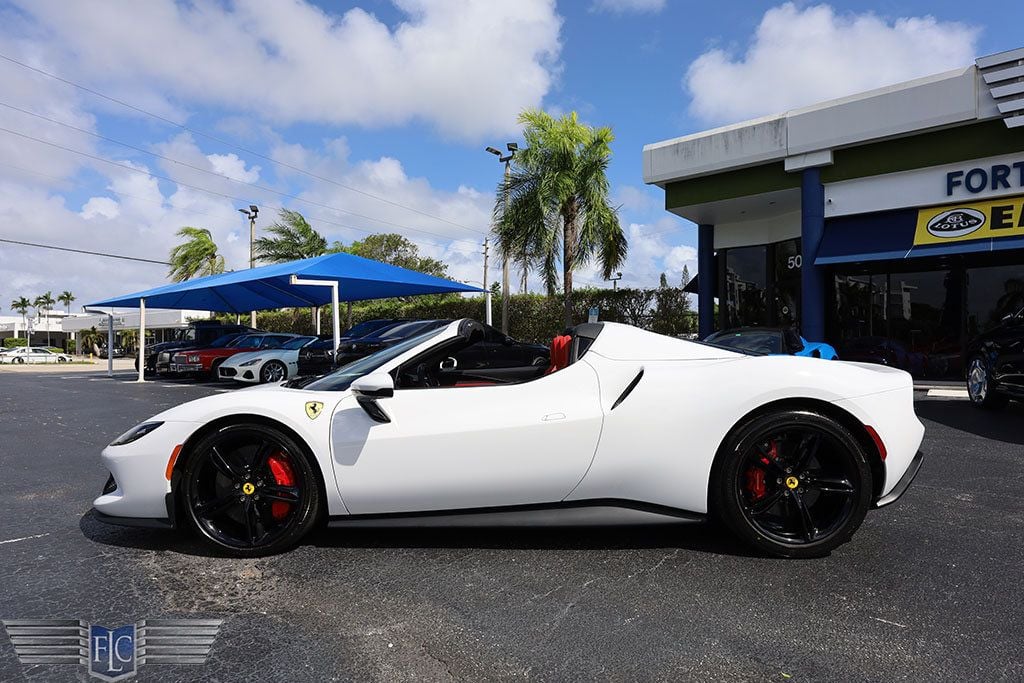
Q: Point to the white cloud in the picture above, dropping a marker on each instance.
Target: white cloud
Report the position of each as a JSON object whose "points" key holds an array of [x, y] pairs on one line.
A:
{"points": [[230, 166], [621, 6], [100, 207], [466, 66], [802, 56]]}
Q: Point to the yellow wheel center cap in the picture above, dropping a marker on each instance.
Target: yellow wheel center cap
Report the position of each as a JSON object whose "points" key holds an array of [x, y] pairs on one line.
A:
{"points": [[248, 489], [792, 482]]}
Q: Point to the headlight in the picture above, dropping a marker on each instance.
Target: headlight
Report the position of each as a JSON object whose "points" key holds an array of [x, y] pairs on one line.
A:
{"points": [[135, 433], [247, 363], [192, 359]]}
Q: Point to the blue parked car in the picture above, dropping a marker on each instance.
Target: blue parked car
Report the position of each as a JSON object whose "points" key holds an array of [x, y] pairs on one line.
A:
{"points": [[771, 341]]}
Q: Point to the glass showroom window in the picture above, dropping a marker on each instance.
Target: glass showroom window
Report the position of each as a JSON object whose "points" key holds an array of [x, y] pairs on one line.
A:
{"points": [[745, 286], [787, 263], [992, 294]]}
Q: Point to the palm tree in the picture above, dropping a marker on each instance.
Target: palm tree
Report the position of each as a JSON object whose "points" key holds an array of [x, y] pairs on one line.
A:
{"points": [[294, 239], [43, 304], [66, 298], [196, 256], [554, 206], [90, 339], [21, 305]]}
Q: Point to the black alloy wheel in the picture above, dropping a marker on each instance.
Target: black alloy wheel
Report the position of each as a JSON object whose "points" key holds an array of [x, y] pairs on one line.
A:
{"points": [[250, 489], [273, 371], [793, 484]]}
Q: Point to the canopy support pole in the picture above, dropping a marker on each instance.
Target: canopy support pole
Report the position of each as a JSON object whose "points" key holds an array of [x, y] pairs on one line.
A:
{"points": [[110, 344], [142, 341], [335, 313]]}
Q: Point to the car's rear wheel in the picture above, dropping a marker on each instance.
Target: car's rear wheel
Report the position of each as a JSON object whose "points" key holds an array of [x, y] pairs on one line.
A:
{"points": [[18, 360], [273, 371], [979, 385], [250, 489], [792, 484]]}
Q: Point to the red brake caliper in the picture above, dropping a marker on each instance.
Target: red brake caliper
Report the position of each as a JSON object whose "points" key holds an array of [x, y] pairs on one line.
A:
{"points": [[755, 475], [283, 475]]}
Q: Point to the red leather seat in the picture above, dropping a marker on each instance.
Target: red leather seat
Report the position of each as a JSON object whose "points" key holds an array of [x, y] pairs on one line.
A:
{"points": [[559, 353]]}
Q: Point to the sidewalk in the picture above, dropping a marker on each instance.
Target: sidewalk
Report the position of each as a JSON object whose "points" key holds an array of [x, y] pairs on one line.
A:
{"points": [[97, 365]]}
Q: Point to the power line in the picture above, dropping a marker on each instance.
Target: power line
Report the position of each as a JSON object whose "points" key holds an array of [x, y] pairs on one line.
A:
{"points": [[203, 170], [235, 146], [128, 167], [84, 251]]}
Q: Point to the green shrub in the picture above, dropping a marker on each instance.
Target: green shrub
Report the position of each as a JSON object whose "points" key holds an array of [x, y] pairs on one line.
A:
{"points": [[14, 342]]}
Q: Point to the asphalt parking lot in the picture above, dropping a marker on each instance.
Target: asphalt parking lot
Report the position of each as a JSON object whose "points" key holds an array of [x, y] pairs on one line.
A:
{"points": [[929, 589]]}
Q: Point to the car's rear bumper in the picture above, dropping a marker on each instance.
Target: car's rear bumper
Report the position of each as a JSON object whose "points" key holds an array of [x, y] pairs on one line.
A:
{"points": [[904, 483]]}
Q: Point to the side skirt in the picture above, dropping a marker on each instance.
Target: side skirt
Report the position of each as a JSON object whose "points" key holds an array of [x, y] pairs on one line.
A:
{"points": [[598, 512]]}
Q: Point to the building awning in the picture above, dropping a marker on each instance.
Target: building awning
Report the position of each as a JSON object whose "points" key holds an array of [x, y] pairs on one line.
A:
{"points": [[269, 287]]}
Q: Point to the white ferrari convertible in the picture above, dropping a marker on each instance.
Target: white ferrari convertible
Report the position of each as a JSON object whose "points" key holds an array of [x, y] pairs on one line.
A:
{"points": [[789, 453]]}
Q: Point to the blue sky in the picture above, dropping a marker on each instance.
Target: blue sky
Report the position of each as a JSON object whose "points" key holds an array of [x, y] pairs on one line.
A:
{"points": [[398, 99]]}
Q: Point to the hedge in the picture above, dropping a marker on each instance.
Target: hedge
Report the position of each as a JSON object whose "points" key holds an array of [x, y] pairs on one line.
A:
{"points": [[532, 317]]}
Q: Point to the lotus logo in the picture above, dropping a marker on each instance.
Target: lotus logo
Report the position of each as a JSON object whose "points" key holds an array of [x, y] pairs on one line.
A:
{"points": [[956, 223]]}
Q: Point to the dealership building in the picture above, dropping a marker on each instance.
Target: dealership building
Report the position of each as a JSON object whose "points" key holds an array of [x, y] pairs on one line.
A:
{"points": [[892, 217]]}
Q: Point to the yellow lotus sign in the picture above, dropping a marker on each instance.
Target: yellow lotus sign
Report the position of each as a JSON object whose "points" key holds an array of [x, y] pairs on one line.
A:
{"points": [[1003, 217]]}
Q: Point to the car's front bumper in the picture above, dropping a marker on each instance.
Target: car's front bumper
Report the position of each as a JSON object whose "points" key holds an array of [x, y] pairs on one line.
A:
{"points": [[187, 367], [904, 483], [140, 486]]}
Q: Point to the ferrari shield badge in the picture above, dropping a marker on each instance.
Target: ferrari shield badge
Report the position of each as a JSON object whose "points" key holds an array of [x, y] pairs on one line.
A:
{"points": [[313, 409]]}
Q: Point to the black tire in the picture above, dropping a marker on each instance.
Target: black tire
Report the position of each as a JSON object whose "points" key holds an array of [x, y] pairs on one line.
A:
{"points": [[214, 370], [273, 371], [62, 360], [813, 490], [980, 387], [229, 491], [18, 360]]}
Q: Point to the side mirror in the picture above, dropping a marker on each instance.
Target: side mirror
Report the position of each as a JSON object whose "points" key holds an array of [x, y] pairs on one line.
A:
{"points": [[374, 385]]}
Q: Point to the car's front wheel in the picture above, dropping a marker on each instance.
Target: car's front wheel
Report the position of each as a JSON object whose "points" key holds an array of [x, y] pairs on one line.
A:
{"points": [[792, 484], [250, 489], [979, 385], [273, 371]]}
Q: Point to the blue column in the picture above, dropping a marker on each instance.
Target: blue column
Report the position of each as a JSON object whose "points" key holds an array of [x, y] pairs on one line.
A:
{"points": [[707, 280], [812, 277]]}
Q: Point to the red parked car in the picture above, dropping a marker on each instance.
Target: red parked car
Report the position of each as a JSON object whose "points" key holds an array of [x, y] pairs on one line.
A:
{"points": [[205, 362]]}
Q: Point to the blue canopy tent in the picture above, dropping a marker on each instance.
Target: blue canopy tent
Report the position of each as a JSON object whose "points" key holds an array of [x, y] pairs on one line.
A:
{"points": [[327, 279]]}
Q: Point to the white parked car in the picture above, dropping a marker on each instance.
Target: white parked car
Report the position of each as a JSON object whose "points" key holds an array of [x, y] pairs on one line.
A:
{"points": [[33, 354], [266, 365], [788, 452]]}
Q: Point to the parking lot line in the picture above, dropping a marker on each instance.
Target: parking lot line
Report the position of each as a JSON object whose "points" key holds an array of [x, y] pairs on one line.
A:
{"points": [[948, 393], [24, 538]]}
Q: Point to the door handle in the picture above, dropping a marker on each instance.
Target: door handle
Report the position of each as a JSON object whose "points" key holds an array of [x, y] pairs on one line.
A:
{"points": [[550, 417]]}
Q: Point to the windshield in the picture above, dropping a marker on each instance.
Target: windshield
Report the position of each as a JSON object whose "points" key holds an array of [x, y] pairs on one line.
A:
{"points": [[406, 329], [223, 341], [367, 327], [246, 342], [187, 334], [754, 341], [296, 343], [342, 378]]}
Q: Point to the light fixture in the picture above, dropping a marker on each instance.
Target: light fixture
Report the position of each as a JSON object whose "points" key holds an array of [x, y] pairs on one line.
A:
{"points": [[493, 151], [512, 147]]}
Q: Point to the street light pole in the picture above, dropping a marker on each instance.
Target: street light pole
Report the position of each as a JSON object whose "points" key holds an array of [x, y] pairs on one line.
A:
{"points": [[615, 281], [251, 212], [507, 160], [487, 295]]}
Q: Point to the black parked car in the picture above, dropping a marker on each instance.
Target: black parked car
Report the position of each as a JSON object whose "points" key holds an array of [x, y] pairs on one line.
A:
{"points": [[383, 338], [318, 357], [994, 363], [199, 334]]}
